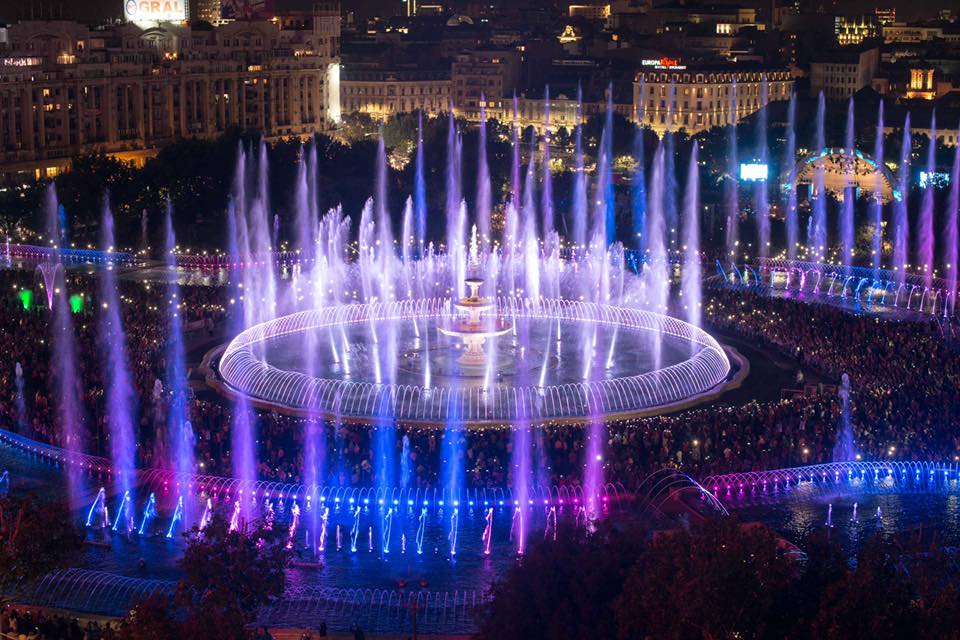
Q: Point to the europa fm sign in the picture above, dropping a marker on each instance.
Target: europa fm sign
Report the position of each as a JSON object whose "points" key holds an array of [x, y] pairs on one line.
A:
{"points": [[154, 10], [663, 63]]}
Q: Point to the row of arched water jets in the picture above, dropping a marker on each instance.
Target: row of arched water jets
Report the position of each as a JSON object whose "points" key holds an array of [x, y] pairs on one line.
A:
{"points": [[877, 287], [167, 486], [104, 593], [855, 476]]}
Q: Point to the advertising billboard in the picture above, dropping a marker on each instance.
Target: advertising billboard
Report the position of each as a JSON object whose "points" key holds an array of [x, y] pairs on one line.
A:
{"points": [[246, 9], [753, 172], [147, 11]]}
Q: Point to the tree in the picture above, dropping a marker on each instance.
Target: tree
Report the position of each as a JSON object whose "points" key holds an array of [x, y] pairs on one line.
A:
{"points": [[151, 619], [719, 579], [235, 570], [897, 590], [563, 589], [227, 576], [35, 538]]}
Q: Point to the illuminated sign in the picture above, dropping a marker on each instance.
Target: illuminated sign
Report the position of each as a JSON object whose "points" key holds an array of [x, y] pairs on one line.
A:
{"points": [[146, 11], [753, 172], [22, 62], [937, 179], [663, 63], [246, 9]]}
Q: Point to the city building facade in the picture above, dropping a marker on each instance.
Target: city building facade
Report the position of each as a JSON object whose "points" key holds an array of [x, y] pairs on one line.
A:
{"points": [[126, 90], [696, 99], [483, 77], [843, 72], [382, 93]]}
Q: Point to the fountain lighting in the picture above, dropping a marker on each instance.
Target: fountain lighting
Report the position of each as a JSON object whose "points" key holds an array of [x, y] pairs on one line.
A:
{"points": [[881, 288], [360, 397], [178, 516], [121, 398], [836, 477], [925, 239], [150, 512], [901, 223], [953, 210], [180, 430]]}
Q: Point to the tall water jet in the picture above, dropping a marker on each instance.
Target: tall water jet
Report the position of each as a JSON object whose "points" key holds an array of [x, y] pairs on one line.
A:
{"points": [[420, 189], [121, 400], [521, 473], [258, 217], [849, 193], [242, 437], [670, 207], [515, 162], [876, 202], [604, 224], [762, 198], [305, 222], [639, 191], [64, 365], [790, 162], [384, 255], [579, 202], [483, 180], [314, 453], [953, 211], [179, 430], [658, 282], [844, 450], [925, 242], [691, 277], [546, 200], [23, 421], [529, 241], [901, 224], [384, 226], [817, 240], [731, 195], [456, 226]]}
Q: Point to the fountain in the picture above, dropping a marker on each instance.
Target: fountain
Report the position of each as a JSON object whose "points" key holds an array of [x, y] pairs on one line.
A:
{"points": [[472, 329]]}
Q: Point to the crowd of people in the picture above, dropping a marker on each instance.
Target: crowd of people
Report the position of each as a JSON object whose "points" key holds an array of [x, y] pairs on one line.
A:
{"points": [[39, 625], [28, 405], [903, 371]]}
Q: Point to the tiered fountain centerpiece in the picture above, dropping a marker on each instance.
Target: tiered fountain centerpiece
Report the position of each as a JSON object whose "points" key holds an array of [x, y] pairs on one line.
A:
{"points": [[473, 323]]}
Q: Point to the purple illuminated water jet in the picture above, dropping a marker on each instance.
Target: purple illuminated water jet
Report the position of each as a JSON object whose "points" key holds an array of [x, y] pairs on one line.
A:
{"points": [[925, 240], [846, 211], [121, 400], [790, 162], [817, 236], [953, 210], [731, 196], [179, 429], [762, 198], [64, 365], [876, 202], [901, 225]]}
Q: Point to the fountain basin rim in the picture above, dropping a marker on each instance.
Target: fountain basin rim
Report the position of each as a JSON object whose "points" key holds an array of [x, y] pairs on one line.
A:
{"points": [[711, 365]]}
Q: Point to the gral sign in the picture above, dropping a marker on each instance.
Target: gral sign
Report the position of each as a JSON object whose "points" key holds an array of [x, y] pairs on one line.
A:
{"points": [[146, 11], [246, 9]]}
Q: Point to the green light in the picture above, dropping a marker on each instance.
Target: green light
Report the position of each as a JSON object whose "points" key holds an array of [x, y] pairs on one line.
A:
{"points": [[26, 299], [76, 303]]}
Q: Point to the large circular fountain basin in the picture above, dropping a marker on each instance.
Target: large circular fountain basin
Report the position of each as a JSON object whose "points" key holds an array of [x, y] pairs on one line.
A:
{"points": [[560, 361]]}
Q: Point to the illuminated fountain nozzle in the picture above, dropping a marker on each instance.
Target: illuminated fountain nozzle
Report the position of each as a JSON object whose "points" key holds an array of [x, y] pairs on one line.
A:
{"points": [[472, 327]]}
